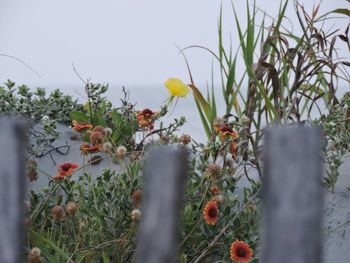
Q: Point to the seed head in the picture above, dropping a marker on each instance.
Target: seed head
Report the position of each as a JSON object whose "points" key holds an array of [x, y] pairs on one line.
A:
{"points": [[35, 256], [121, 152], [57, 213], [214, 169], [71, 208], [108, 131]]}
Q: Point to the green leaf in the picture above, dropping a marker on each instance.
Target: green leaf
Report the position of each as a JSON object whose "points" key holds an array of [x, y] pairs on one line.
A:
{"points": [[79, 116], [203, 119], [51, 251], [105, 258], [116, 136], [342, 11], [117, 118], [99, 120]]}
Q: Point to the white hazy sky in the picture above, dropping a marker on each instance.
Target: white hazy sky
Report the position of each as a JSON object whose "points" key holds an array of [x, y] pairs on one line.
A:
{"points": [[122, 42]]}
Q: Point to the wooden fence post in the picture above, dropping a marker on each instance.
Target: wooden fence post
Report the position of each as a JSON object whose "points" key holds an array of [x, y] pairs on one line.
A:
{"points": [[165, 177], [12, 181], [292, 195]]}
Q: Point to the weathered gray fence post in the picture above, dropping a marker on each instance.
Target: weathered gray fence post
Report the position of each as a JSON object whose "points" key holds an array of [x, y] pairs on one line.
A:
{"points": [[165, 177], [12, 163], [292, 195]]}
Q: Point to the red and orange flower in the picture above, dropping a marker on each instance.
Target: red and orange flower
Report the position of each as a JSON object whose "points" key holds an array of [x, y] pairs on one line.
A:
{"points": [[86, 148], [226, 131], [146, 119], [241, 252], [65, 169], [211, 212], [81, 127]]}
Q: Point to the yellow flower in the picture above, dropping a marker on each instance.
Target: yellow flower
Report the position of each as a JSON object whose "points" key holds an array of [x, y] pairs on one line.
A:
{"points": [[86, 106], [176, 87]]}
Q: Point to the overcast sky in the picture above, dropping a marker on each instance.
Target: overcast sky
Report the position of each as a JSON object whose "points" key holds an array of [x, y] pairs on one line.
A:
{"points": [[123, 42]]}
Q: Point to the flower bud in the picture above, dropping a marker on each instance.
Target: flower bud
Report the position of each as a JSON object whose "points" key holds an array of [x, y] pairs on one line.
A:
{"points": [[164, 138], [214, 190], [108, 132], [135, 156], [107, 147], [136, 214], [121, 152], [96, 137], [35, 256], [71, 208], [137, 198], [57, 213]]}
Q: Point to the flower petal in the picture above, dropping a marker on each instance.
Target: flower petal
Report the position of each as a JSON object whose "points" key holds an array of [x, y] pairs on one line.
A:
{"points": [[176, 87]]}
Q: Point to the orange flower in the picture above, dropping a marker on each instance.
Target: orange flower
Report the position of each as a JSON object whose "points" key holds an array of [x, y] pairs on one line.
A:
{"points": [[86, 148], [211, 212], [233, 149], [65, 169], [227, 131], [146, 119], [241, 252], [80, 127]]}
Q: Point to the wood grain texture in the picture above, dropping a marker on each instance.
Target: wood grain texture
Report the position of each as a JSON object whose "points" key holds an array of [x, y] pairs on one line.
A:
{"points": [[165, 177], [292, 195], [12, 180]]}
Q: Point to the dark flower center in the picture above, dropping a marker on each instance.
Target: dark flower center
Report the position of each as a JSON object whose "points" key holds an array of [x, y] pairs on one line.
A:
{"points": [[147, 112], [226, 128], [65, 167], [213, 212], [241, 252]]}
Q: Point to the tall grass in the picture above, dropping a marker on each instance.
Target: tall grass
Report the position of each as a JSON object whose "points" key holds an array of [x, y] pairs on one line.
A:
{"points": [[288, 77]]}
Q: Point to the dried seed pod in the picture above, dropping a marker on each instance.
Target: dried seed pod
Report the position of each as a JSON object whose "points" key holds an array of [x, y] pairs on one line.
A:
{"points": [[71, 208], [185, 139], [57, 213]]}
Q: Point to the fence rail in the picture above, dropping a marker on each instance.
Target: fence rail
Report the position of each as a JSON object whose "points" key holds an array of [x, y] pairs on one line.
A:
{"points": [[292, 197]]}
